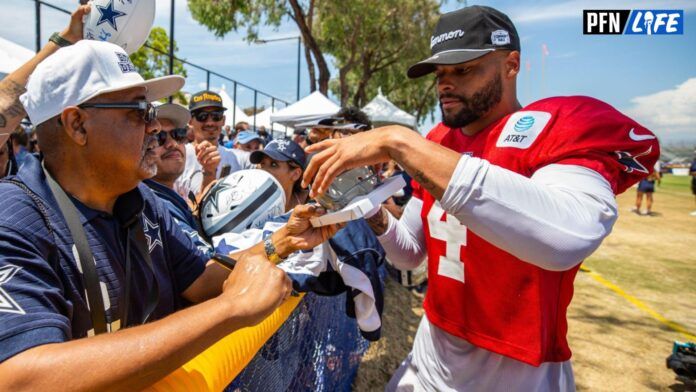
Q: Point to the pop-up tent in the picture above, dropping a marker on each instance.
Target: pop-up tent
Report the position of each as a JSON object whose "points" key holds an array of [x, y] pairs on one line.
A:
{"points": [[231, 106], [12, 56], [312, 107], [264, 119], [382, 112]]}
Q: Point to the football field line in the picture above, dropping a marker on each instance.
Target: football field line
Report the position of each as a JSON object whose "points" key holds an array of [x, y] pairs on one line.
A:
{"points": [[640, 305]]}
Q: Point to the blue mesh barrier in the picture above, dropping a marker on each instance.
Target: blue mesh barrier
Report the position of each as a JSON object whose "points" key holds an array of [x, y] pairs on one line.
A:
{"points": [[318, 348]]}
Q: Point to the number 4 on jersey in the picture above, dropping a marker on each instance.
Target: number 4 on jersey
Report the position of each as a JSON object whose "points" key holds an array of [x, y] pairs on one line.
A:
{"points": [[454, 235]]}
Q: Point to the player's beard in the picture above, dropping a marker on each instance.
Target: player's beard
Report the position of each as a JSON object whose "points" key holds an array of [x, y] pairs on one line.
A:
{"points": [[473, 107]]}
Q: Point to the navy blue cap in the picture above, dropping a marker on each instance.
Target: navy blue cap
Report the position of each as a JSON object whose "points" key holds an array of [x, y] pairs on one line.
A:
{"points": [[281, 150]]}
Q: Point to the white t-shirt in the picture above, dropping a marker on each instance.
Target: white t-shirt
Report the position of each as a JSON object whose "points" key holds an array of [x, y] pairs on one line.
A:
{"points": [[192, 177], [443, 362]]}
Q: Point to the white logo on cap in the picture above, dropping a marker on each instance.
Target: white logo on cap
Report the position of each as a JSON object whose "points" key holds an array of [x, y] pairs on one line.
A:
{"points": [[434, 40], [500, 37]]}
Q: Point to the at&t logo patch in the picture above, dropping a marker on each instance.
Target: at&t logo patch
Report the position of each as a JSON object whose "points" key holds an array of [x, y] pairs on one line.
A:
{"points": [[522, 128], [524, 123]]}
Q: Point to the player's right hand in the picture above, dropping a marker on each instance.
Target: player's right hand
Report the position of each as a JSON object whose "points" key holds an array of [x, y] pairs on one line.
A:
{"points": [[73, 32], [208, 156], [255, 288]]}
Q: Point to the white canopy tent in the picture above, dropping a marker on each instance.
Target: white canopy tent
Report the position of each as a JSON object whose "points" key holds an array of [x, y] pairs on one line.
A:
{"points": [[382, 112], [264, 119], [12, 56], [312, 107], [231, 106]]}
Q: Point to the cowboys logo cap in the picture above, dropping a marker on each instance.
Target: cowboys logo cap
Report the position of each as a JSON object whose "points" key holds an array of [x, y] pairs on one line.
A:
{"points": [[205, 99], [281, 150], [77, 73], [465, 35]]}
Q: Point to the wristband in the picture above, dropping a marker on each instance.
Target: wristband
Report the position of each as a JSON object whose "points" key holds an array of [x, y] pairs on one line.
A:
{"points": [[271, 252], [58, 40]]}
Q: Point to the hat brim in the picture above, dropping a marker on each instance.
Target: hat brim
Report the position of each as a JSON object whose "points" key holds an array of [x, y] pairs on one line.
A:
{"points": [[257, 156], [205, 105], [449, 57], [177, 114], [157, 88], [245, 141]]}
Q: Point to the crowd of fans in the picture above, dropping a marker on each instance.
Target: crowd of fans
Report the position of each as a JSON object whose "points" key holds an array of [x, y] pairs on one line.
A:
{"points": [[121, 186]]}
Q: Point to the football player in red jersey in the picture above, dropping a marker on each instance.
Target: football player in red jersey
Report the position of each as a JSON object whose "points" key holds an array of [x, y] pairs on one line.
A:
{"points": [[507, 203]]}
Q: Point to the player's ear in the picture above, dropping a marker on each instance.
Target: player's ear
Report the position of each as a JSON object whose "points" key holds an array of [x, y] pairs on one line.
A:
{"points": [[512, 64]]}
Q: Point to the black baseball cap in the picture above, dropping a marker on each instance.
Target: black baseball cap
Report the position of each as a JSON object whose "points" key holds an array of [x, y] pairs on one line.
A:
{"points": [[281, 150], [465, 35], [205, 99]]}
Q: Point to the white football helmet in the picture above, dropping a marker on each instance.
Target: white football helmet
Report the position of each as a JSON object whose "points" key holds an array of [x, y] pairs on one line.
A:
{"points": [[245, 199]]}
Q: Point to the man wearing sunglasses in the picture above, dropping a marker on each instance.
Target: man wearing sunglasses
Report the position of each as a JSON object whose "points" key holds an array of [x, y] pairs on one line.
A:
{"points": [[171, 154], [205, 158], [86, 250]]}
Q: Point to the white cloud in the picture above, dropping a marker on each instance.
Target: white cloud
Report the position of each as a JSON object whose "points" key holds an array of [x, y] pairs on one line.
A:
{"points": [[573, 9], [669, 113]]}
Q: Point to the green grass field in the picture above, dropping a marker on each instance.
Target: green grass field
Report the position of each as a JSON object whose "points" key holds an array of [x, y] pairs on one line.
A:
{"points": [[616, 345]]}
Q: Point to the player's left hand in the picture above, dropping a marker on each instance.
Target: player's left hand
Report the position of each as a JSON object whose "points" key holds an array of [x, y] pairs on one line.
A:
{"points": [[334, 156], [73, 32]]}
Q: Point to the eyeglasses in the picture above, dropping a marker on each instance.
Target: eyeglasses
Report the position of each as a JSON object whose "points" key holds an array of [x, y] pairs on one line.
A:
{"points": [[148, 112], [203, 116], [177, 134]]}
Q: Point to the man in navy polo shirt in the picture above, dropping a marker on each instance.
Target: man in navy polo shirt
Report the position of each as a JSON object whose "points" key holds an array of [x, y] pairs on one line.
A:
{"points": [[97, 132]]}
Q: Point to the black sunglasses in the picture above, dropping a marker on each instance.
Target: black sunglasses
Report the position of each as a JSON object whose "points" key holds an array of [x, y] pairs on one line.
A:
{"points": [[203, 116], [177, 134], [148, 112]]}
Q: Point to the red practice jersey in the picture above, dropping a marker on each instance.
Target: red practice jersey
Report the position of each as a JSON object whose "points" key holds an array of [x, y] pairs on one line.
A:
{"points": [[487, 296]]}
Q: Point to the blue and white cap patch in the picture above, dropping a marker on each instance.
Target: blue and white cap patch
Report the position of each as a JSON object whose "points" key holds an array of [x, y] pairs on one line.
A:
{"points": [[522, 128], [125, 63], [500, 37]]}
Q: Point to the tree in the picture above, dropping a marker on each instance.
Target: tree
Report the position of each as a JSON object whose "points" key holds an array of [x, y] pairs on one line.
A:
{"points": [[152, 59], [374, 43], [223, 16]]}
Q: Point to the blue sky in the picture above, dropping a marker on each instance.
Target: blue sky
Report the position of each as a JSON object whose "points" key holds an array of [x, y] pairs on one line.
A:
{"points": [[651, 78]]}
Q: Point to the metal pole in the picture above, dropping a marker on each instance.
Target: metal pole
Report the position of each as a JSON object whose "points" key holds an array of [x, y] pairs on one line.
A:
{"points": [[255, 95], [38, 25], [207, 80], [272, 110], [171, 44], [234, 99], [299, 44]]}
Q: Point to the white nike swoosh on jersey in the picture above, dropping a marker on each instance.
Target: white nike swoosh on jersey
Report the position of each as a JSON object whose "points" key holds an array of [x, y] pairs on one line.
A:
{"points": [[639, 138]]}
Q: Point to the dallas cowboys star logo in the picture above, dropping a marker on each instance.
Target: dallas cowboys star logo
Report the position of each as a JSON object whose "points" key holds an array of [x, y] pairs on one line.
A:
{"points": [[7, 304], [152, 234], [631, 161], [109, 14], [282, 144]]}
